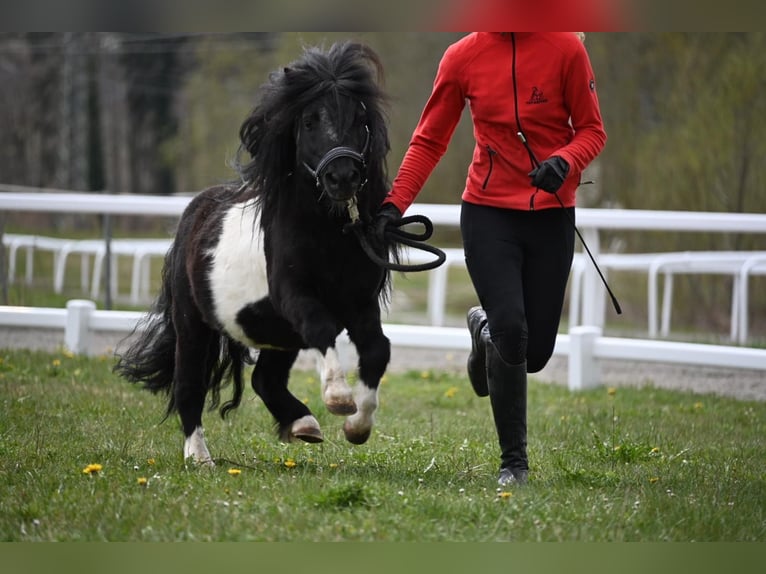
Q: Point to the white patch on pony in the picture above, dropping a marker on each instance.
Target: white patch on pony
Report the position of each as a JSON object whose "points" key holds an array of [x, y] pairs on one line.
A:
{"points": [[360, 424], [336, 393], [196, 449], [238, 271], [326, 120]]}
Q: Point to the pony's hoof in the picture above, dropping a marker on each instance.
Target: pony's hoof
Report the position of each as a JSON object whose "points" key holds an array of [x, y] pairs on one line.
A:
{"points": [[305, 429], [309, 435], [341, 407], [195, 450], [355, 436]]}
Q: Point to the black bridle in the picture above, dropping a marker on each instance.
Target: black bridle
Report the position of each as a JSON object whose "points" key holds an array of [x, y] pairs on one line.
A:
{"points": [[343, 151], [339, 152], [394, 233]]}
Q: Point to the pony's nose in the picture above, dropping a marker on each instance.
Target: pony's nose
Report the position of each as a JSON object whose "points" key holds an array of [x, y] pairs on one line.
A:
{"points": [[342, 183]]}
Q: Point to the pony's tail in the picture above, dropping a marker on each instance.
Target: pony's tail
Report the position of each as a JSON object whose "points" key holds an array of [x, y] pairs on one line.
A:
{"points": [[232, 358], [150, 354]]}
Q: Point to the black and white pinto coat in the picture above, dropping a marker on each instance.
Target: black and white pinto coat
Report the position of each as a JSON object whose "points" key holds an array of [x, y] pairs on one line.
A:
{"points": [[259, 271]]}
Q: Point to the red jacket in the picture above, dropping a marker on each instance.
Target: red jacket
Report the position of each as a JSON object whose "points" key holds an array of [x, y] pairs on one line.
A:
{"points": [[557, 108]]}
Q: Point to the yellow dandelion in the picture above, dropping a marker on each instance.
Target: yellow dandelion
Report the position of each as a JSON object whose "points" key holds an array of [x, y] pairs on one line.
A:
{"points": [[698, 406], [290, 463], [56, 362], [655, 450], [333, 465], [150, 461], [611, 391], [69, 354], [504, 495], [92, 469], [654, 479], [142, 481], [234, 471], [425, 375], [451, 392], [305, 400]]}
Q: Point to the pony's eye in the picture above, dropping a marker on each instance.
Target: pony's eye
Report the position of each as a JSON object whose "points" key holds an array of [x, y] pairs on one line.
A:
{"points": [[310, 120]]}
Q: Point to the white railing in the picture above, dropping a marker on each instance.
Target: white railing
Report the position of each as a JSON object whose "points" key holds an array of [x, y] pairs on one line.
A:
{"points": [[592, 303], [584, 345]]}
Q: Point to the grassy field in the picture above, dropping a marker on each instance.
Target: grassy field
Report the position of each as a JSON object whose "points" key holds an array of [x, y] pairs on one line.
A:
{"points": [[626, 465]]}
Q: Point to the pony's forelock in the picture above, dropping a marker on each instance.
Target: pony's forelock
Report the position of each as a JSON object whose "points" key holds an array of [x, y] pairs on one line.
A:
{"points": [[267, 134]]}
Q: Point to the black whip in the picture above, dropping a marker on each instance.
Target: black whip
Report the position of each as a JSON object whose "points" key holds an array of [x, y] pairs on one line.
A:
{"points": [[536, 164]]}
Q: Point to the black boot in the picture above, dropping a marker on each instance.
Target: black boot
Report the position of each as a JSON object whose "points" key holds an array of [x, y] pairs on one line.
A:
{"points": [[508, 396], [477, 359]]}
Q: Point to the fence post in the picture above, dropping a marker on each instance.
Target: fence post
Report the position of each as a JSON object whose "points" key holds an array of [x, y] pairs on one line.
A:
{"points": [[584, 372], [77, 332]]}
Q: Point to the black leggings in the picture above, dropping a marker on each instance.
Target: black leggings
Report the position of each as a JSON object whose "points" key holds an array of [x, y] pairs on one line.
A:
{"points": [[519, 263]]}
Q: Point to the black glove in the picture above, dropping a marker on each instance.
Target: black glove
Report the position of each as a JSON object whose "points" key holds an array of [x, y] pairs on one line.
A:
{"points": [[550, 175], [387, 213]]}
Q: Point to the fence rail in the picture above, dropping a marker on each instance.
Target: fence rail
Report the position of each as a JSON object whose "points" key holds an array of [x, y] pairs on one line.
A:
{"points": [[590, 221], [584, 345]]}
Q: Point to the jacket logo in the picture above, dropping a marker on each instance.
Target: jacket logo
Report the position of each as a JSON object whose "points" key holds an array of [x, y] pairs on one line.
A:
{"points": [[537, 96]]}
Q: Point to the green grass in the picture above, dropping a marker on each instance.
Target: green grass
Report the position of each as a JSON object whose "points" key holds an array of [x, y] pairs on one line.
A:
{"points": [[631, 465]]}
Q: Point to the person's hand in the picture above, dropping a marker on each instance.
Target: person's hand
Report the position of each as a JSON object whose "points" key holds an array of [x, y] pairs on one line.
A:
{"points": [[550, 174], [387, 213]]}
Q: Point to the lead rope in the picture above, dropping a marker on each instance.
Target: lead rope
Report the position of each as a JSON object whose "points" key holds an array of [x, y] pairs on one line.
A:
{"points": [[395, 234]]}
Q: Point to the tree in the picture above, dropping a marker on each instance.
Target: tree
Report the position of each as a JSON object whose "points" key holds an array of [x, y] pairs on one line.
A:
{"points": [[216, 96]]}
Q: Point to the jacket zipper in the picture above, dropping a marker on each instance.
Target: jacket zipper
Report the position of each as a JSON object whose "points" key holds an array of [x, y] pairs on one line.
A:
{"points": [[491, 153], [518, 119]]}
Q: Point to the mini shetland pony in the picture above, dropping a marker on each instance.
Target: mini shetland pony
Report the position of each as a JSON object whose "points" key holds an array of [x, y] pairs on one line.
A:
{"points": [[271, 265]]}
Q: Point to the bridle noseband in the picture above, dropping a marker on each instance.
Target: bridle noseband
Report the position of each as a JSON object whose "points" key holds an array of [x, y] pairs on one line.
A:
{"points": [[338, 152]]}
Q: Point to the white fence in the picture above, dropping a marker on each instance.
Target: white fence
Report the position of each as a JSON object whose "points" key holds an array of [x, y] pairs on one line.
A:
{"points": [[584, 345], [587, 308]]}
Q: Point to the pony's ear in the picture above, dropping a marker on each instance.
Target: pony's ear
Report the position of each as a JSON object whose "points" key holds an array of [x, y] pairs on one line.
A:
{"points": [[276, 76]]}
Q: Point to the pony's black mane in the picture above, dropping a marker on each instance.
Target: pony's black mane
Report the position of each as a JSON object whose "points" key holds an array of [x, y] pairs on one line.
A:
{"points": [[346, 69]]}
